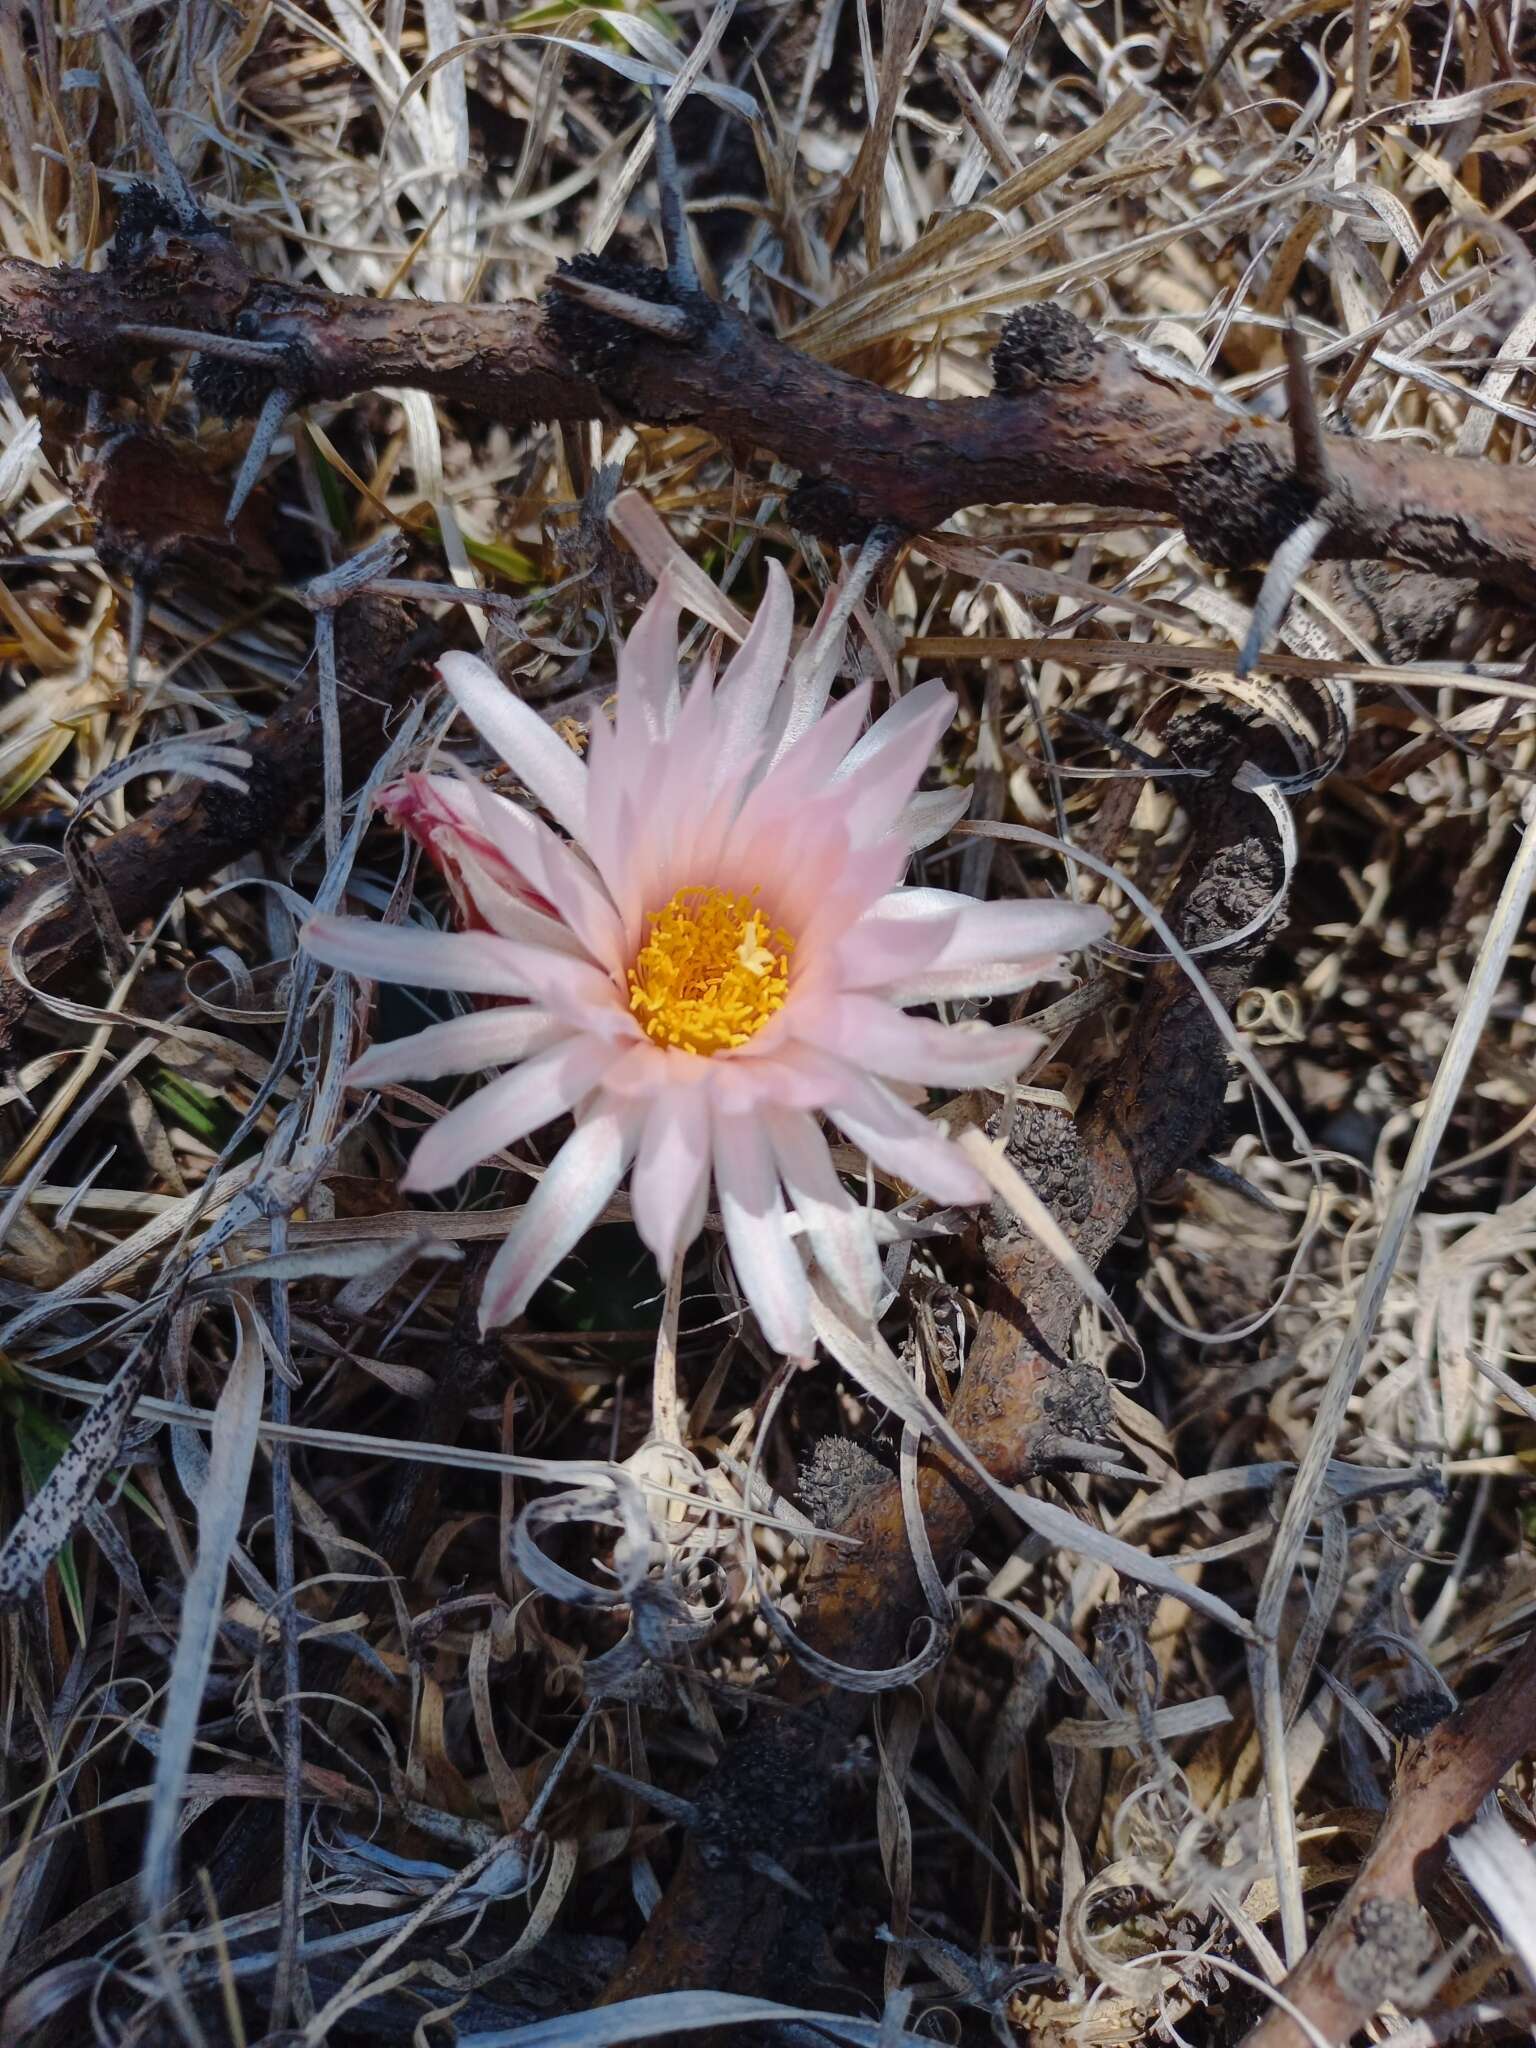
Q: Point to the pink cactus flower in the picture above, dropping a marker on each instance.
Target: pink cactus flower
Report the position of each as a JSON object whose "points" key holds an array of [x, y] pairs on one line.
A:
{"points": [[713, 953]]}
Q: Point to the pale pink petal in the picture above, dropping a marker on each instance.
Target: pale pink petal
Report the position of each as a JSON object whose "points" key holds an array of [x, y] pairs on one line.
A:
{"points": [[574, 1192], [462, 1045], [756, 1229], [671, 1178], [605, 783], [511, 917], [809, 679], [582, 994], [557, 873], [475, 963], [838, 1227], [802, 771], [862, 879], [531, 749], [963, 969], [752, 681], [1017, 928], [903, 1142], [881, 949], [876, 792], [504, 1111], [930, 708], [978, 983], [648, 679], [932, 905], [884, 1041], [1008, 945], [676, 799], [789, 866], [931, 815], [716, 814], [612, 830]]}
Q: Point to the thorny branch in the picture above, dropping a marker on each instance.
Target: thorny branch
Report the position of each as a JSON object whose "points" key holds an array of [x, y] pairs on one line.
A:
{"points": [[1376, 1942], [1152, 1113], [1074, 418]]}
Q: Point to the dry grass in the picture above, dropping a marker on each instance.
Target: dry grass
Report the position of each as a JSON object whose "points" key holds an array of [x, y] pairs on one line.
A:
{"points": [[331, 1564]]}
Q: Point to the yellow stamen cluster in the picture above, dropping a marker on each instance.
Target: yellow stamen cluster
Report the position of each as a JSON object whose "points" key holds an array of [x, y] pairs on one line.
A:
{"points": [[711, 973]]}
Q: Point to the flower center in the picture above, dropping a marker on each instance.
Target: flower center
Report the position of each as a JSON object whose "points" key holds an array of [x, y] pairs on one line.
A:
{"points": [[711, 973]]}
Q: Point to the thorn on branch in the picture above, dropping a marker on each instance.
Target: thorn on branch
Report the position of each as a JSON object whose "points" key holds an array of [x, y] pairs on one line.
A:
{"points": [[1287, 566], [139, 588], [275, 409], [1220, 1175], [1308, 441], [668, 323], [261, 355], [190, 216], [1313, 474], [669, 188]]}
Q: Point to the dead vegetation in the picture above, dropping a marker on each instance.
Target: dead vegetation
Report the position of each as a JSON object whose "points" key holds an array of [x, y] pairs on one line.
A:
{"points": [[366, 1680]]}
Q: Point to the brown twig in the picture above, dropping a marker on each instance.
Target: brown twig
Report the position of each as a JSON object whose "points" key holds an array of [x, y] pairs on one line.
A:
{"points": [[1074, 418], [1375, 1942], [717, 1923]]}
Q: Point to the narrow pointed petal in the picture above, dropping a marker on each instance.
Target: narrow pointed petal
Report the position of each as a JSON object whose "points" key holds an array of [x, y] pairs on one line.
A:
{"points": [[965, 968], [930, 708], [879, 950], [885, 1041], [512, 917], [1019, 928], [932, 939], [556, 872], [809, 678], [675, 800], [877, 791], [531, 749], [504, 1111], [932, 815], [762, 1251], [648, 680], [903, 1142], [582, 994], [609, 838], [462, 1045], [749, 686], [671, 1177], [978, 983], [574, 1192], [863, 878], [877, 797], [476, 963], [837, 1226], [802, 771]]}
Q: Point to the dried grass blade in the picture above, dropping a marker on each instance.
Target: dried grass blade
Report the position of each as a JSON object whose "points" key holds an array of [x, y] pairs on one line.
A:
{"points": [[685, 2012], [236, 1421]]}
